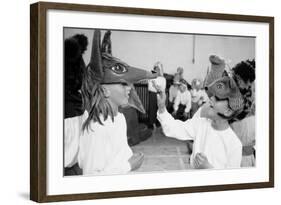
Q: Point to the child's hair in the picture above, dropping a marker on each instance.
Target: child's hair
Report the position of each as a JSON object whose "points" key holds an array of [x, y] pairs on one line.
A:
{"points": [[82, 40], [75, 46], [94, 100], [196, 83], [245, 70]]}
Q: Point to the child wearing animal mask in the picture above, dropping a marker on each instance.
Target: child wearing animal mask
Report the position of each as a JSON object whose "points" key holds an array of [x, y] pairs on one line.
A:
{"points": [[215, 143], [107, 86]]}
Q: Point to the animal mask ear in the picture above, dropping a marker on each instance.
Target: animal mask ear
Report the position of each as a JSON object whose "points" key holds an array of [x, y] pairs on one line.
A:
{"points": [[216, 71], [106, 43], [95, 65]]}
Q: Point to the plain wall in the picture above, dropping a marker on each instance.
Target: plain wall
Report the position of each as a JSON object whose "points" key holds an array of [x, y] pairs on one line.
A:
{"points": [[143, 49]]}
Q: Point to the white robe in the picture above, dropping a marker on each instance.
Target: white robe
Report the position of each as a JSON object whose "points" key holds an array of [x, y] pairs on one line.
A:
{"points": [[100, 150], [103, 149], [223, 149], [183, 99]]}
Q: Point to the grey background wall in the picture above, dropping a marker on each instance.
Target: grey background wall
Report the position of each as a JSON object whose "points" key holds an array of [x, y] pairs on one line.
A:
{"points": [[143, 49]]}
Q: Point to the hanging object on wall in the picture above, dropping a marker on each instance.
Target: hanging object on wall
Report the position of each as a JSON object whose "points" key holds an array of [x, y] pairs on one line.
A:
{"points": [[193, 48]]}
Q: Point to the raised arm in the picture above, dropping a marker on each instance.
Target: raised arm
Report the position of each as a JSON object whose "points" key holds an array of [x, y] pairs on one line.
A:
{"points": [[171, 127]]}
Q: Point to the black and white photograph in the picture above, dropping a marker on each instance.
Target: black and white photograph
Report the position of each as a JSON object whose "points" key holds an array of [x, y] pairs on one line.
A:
{"points": [[157, 102]]}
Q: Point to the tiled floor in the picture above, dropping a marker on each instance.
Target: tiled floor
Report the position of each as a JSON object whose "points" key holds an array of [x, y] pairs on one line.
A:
{"points": [[162, 153]]}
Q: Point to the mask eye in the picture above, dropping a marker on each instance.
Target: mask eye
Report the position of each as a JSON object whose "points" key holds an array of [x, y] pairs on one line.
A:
{"points": [[220, 86], [119, 68]]}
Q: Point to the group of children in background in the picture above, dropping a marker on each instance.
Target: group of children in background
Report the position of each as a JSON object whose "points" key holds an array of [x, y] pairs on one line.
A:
{"points": [[217, 114], [184, 100]]}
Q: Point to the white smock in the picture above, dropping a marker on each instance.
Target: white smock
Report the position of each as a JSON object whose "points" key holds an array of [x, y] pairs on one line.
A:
{"points": [[222, 148], [103, 149]]}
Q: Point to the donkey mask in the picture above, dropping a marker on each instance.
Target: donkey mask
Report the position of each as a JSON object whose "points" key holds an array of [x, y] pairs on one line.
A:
{"points": [[218, 83]]}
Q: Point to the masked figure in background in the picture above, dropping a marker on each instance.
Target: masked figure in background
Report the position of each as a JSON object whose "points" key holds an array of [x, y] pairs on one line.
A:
{"points": [[74, 67], [173, 92], [152, 105], [107, 86]]}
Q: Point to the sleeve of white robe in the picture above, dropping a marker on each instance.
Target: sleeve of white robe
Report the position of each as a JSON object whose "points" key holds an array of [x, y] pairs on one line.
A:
{"points": [[72, 131], [118, 165], [177, 128], [188, 102], [235, 155], [91, 153], [177, 101], [171, 94], [105, 151]]}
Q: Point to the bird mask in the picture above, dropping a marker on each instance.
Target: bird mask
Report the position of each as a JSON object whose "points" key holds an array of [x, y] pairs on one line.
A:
{"points": [[107, 69]]}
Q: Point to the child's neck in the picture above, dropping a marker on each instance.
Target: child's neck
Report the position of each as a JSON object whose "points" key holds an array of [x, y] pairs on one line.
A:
{"points": [[114, 108], [220, 124]]}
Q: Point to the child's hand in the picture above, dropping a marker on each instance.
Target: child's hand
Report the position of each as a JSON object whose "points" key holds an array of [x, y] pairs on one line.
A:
{"points": [[161, 98], [136, 160], [201, 162]]}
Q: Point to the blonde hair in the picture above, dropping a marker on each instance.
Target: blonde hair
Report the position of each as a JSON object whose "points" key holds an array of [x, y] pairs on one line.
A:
{"points": [[94, 100]]}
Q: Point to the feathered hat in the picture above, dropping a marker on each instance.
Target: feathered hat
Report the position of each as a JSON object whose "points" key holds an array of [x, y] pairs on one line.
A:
{"points": [[106, 69]]}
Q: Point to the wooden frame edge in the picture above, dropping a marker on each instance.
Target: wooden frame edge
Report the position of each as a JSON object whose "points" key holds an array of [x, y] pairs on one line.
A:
{"points": [[34, 191], [271, 100], [37, 102]]}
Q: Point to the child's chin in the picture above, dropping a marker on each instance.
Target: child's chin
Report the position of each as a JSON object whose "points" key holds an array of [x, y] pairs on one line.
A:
{"points": [[125, 104], [210, 113]]}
